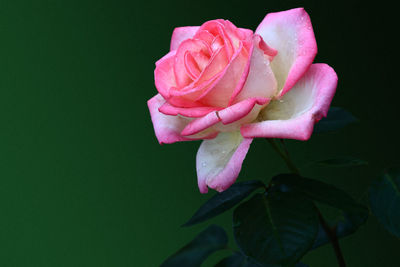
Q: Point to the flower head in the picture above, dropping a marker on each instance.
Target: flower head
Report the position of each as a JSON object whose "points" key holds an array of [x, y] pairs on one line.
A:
{"points": [[228, 85]]}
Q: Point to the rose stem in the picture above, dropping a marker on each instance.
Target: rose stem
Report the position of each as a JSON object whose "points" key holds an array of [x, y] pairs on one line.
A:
{"points": [[284, 156], [330, 232]]}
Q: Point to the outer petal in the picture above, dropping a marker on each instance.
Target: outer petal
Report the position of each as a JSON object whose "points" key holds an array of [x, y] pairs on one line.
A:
{"points": [[228, 115], [291, 33], [192, 112], [182, 33], [219, 160], [167, 128], [260, 81], [164, 76], [240, 110], [294, 116]]}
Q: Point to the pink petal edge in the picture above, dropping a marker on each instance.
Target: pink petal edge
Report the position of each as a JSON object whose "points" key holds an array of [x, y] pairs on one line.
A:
{"points": [[229, 174], [298, 21], [167, 128], [226, 116], [191, 112], [180, 34], [260, 80], [301, 127]]}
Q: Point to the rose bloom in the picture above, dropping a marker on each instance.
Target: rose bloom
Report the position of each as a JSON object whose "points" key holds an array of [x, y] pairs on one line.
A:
{"points": [[227, 85]]}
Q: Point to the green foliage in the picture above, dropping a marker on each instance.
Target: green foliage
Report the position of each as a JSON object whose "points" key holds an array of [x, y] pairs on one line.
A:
{"points": [[353, 215], [193, 254], [319, 191], [384, 198], [276, 228], [337, 118], [222, 202], [238, 260]]}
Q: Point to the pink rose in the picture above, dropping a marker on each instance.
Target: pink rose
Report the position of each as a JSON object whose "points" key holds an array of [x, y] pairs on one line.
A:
{"points": [[228, 85]]}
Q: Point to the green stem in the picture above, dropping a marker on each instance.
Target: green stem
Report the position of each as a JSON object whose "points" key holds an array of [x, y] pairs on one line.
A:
{"points": [[284, 155], [330, 232]]}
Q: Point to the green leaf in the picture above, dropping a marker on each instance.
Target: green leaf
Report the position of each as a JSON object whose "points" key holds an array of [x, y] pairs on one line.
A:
{"points": [[319, 191], [222, 202], [275, 228], [337, 118], [238, 260], [384, 198], [193, 254], [344, 225], [353, 216], [341, 162]]}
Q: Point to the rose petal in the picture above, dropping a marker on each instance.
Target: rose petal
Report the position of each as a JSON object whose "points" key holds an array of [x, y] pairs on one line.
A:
{"points": [[214, 27], [249, 117], [189, 45], [239, 110], [219, 160], [260, 81], [201, 124], [226, 116], [210, 87], [164, 76], [193, 112], [205, 36], [186, 97], [191, 67], [217, 43], [167, 128], [294, 116], [180, 34], [234, 34], [216, 64], [291, 33], [211, 74], [201, 60], [269, 52], [231, 80]]}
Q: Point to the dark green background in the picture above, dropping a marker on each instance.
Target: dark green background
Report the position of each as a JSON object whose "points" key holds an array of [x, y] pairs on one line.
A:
{"points": [[83, 181]]}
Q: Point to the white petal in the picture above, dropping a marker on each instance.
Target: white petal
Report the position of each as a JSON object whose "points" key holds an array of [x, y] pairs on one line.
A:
{"points": [[219, 160]]}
